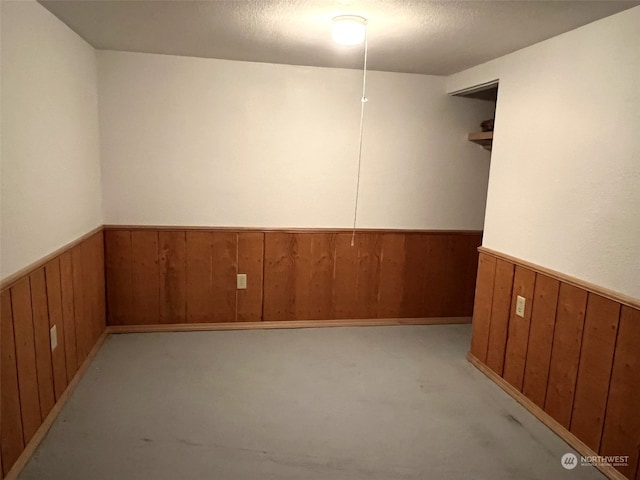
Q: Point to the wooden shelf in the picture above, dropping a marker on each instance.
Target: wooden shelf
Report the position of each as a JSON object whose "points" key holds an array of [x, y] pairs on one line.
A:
{"points": [[484, 139]]}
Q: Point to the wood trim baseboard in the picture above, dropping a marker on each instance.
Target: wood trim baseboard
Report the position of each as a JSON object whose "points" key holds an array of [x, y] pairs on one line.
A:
{"points": [[32, 267], [576, 282], [203, 327], [30, 448], [545, 418], [287, 229]]}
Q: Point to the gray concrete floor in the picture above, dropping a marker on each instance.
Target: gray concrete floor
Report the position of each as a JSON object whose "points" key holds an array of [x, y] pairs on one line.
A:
{"points": [[332, 403]]}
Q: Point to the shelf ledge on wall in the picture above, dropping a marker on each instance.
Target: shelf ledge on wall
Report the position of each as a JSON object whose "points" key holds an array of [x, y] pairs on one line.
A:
{"points": [[484, 139]]}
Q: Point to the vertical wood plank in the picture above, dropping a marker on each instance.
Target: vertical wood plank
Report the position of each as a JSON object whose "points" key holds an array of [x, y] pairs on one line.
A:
{"points": [[594, 370], [82, 323], [321, 281], [392, 266], [368, 276], [482, 311], [199, 277], [414, 300], [438, 275], [119, 262], [26, 358], [500, 309], [565, 353], [68, 318], [173, 276], [91, 254], [54, 302], [250, 261], [474, 241], [42, 341], [621, 434], [345, 278], [278, 276], [145, 277], [543, 319], [100, 286], [518, 334], [454, 278], [11, 440], [225, 251], [299, 251]]}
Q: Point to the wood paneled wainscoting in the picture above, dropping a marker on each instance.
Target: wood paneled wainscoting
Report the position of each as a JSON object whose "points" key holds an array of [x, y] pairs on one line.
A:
{"points": [[573, 359], [177, 275], [66, 291]]}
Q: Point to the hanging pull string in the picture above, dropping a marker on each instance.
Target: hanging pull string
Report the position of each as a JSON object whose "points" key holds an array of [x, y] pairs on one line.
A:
{"points": [[363, 100]]}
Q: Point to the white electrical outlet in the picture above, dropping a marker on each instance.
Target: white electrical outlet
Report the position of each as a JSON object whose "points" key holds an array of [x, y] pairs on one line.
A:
{"points": [[241, 281], [54, 338], [520, 304]]}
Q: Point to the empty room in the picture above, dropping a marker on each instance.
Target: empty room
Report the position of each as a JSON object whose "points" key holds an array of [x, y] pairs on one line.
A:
{"points": [[319, 239]]}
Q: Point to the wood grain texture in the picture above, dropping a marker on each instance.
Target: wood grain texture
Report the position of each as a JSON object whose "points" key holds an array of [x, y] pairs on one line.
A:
{"points": [[145, 276], [453, 276], [391, 281], [199, 277], [225, 269], [80, 314], [518, 335], [173, 277], [100, 296], [472, 272], [279, 276], [482, 310], [54, 302], [92, 251], [500, 309], [414, 298], [565, 353], [250, 261], [66, 286], [309, 275], [119, 273], [543, 320], [286, 324], [66, 292], [26, 358], [321, 276], [621, 434], [345, 278], [42, 341], [11, 440], [368, 275], [442, 288], [594, 371]]}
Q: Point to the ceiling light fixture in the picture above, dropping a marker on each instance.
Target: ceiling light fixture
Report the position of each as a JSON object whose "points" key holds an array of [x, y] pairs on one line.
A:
{"points": [[352, 30], [349, 29]]}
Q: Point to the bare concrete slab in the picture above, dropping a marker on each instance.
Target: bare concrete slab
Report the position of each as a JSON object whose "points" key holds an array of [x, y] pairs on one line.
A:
{"points": [[334, 403]]}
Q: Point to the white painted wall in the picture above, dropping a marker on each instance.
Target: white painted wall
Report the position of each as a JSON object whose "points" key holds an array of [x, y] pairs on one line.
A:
{"points": [[564, 189], [50, 165], [192, 141]]}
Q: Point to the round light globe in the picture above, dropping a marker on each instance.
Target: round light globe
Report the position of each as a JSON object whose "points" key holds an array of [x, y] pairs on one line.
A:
{"points": [[348, 30]]}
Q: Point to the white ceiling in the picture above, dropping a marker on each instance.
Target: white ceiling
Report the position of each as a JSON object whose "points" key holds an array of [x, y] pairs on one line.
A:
{"points": [[430, 37]]}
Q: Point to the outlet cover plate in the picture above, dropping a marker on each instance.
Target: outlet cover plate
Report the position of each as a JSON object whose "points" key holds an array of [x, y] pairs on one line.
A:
{"points": [[53, 334], [520, 306]]}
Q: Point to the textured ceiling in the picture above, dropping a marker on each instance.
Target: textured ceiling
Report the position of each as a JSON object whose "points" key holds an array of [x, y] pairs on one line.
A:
{"points": [[431, 37]]}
